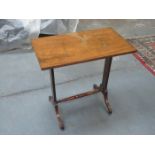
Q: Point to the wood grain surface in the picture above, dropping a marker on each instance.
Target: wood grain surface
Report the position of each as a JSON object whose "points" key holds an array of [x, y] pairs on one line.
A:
{"points": [[78, 47]]}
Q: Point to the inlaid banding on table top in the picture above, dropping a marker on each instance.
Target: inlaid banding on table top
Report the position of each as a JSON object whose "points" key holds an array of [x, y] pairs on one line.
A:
{"points": [[77, 47]]}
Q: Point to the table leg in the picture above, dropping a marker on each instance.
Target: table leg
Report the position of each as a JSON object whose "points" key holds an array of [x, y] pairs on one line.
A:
{"points": [[104, 83], [102, 88], [53, 100]]}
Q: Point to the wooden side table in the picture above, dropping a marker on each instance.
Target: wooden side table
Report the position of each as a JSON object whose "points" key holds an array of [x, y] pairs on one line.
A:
{"points": [[78, 47]]}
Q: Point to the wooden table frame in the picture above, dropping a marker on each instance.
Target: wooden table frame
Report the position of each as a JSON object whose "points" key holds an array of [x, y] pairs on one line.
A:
{"points": [[78, 47], [102, 88]]}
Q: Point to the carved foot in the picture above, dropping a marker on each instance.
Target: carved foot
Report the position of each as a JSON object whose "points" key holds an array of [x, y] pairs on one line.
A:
{"points": [[56, 108], [108, 106]]}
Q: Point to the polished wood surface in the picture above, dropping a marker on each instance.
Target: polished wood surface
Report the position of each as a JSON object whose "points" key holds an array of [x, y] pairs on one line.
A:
{"points": [[77, 47]]}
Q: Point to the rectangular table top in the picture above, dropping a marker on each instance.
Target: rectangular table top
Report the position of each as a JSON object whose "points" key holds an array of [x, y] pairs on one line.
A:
{"points": [[77, 47]]}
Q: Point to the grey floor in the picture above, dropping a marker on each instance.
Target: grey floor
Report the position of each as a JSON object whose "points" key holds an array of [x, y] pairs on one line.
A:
{"points": [[24, 91]]}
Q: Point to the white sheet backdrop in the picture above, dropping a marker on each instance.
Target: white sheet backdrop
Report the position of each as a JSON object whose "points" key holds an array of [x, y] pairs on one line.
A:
{"points": [[18, 33]]}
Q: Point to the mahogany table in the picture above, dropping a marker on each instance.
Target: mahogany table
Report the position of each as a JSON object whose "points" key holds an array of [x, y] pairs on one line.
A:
{"points": [[78, 47]]}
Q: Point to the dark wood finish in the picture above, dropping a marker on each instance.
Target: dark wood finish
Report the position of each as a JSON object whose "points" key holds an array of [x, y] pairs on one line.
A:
{"points": [[77, 47], [106, 73], [53, 85], [57, 112], [77, 96], [104, 83], [53, 100], [102, 88]]}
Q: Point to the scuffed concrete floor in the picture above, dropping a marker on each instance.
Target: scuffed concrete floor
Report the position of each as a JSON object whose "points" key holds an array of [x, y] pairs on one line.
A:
{"points": [[127, 28], [24, 91]]}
